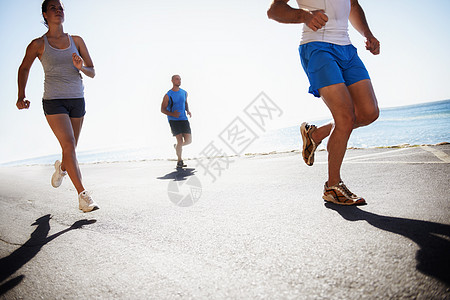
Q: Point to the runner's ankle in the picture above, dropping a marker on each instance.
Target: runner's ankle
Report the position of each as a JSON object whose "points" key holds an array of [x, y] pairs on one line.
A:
{"points": [[333, 182]]}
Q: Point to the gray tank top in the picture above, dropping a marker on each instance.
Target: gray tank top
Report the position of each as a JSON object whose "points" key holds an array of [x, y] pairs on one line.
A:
{"points": [[62, 79]]}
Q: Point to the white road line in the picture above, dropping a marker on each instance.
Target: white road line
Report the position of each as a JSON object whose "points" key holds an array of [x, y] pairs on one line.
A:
{"points": [[438, 153], [444, 158], [376, 154], [386, 162]]}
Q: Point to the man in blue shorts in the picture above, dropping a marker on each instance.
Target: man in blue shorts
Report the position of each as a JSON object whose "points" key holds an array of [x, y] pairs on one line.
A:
{"points": [[175, 106], [337, 75]]}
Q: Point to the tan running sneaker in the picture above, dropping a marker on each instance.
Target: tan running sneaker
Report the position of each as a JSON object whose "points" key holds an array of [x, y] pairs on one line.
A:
{"points": [[86, 204], [309, 146], [58, 175], [341, 195]]}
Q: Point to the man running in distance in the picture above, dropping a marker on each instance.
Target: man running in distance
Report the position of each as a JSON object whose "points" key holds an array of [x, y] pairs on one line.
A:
{"points": [[175, 106]]}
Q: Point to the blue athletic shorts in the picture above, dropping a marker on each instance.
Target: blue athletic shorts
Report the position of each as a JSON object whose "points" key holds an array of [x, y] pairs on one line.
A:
{"points": [[75, 108], [179, 127], [326, 64]]}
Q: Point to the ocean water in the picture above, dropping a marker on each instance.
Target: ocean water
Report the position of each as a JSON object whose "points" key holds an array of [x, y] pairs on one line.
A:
{"points": [[416, 124], [427, 123]]}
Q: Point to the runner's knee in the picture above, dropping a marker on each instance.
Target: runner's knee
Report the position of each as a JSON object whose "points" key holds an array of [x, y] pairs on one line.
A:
{"points": [[368, 118], [68, 148], [179, 139], [345, 123], [187, 140]]}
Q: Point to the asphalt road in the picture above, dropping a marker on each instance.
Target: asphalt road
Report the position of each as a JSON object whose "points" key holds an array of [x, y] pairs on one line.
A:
{"points": [[259, 231]]}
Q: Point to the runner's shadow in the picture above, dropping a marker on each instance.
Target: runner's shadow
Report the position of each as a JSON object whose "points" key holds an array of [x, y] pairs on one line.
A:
{"points": [[16, 260], [180, 174], [433, 257]]}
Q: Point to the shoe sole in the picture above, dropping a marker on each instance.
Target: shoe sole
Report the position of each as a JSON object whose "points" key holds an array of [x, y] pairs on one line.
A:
{"points": [[304, 133], [54, 174], [331, 199], [89, 209]]}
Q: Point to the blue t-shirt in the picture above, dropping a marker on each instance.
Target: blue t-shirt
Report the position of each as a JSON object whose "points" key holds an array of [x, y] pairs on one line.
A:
{"points": [[177, 102]]}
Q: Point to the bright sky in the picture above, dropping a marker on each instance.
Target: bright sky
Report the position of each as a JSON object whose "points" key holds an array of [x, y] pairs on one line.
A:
{"points": [[226, 52]]}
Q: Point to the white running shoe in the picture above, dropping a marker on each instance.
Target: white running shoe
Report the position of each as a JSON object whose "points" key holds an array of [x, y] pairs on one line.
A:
{"points": [[58, 176], [86, 202]]}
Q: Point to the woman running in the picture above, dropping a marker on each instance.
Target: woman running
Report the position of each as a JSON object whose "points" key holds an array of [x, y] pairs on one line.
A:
{"points": [[63, 57]]}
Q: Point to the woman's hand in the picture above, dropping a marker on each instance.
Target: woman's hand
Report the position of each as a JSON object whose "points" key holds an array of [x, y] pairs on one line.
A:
{"points": [[77, 61], [22, 103]]}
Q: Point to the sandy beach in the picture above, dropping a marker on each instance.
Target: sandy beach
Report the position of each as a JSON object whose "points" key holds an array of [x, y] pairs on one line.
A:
{"points": [[249, 227]]}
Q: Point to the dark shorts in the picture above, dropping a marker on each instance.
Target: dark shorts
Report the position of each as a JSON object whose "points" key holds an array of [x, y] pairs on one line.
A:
{"points": [[75, 108], [326, 64], [179, 127]]}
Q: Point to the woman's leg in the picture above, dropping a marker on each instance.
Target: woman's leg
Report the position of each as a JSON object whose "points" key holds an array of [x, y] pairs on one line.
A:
{"points": [[67, 132], [77, 123]]}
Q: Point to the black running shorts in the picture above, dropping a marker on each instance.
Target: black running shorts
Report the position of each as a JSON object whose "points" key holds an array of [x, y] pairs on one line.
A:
{"points": [[179, 127], [75, 108]]}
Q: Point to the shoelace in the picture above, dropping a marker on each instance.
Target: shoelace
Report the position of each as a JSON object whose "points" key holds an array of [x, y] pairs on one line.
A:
{"points": [[346, 190], [87, 195]]}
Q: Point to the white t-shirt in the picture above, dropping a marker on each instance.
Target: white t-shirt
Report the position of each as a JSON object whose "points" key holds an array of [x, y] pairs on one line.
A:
{"points": [[335, 30]]}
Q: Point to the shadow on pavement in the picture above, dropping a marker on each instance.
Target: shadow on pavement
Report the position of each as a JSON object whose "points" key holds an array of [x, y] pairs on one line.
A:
{"points": [[13, 262], [433, 257], [179, 175]]}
